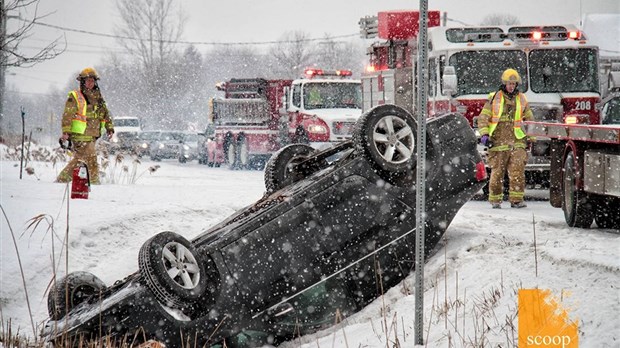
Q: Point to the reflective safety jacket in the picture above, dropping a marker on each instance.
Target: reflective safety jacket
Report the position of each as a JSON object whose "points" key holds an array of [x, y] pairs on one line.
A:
{"points": [[502, 119], [85, 121]]}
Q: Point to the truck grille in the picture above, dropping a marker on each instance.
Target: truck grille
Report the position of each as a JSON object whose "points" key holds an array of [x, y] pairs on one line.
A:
{"points": [[342, 128], [547, 112]]}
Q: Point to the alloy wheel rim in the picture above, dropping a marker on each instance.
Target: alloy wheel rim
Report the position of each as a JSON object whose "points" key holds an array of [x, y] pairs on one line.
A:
{"points": [[394, 139], [181, 265]]}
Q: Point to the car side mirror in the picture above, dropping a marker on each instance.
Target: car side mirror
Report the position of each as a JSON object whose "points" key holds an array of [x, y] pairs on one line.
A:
{"points": [[450, 81]]}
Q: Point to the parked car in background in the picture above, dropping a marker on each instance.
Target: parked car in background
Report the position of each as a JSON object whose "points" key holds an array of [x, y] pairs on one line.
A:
{"points": [[331, 226], [142, 146], [167, 145], [126, 132], [189, 147]]}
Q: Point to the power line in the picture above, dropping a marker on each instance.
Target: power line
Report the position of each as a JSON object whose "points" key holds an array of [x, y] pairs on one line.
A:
{"points": [[212, 43], [117, 50]]}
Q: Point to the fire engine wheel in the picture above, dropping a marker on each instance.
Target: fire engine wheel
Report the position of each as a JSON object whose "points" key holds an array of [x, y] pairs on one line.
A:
{"points": [[279, 168], [386, 136], [172, 270], [71, 290], [577, 209], [243, 153], [230, 154]]}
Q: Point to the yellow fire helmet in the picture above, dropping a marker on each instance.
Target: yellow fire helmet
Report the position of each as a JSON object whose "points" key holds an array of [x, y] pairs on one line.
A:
{"points": [[88, 72], [511, 75]]}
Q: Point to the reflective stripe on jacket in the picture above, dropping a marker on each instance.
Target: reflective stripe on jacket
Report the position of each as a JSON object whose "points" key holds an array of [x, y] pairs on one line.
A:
{"points": [[78, 123], [498, 107]]}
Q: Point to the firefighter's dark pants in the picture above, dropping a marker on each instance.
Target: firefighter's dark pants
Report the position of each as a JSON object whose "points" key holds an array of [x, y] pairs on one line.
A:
{"points": [[82, 151], [514, 162]]}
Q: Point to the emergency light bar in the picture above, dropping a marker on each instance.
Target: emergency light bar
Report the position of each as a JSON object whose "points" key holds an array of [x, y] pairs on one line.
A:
{"points": [[497, 34], [310, 73]]}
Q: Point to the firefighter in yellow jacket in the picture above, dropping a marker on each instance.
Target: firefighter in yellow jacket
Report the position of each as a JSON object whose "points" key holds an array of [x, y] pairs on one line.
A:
{"points": [[85, 119], [501, 128]]}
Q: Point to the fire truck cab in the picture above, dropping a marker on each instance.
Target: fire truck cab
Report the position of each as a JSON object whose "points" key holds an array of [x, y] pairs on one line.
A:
{"points": [[558, 68], [322, 107]]}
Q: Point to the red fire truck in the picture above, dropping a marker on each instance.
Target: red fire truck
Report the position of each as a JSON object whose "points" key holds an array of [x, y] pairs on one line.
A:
{"points": [[256, 117], [323, 107], [558, 66]]}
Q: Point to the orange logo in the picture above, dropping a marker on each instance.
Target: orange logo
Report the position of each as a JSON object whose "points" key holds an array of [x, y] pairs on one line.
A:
{"points": [[543, 322]]}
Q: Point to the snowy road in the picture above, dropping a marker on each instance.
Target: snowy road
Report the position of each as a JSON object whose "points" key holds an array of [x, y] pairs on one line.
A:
{"points": [[486, 257]]}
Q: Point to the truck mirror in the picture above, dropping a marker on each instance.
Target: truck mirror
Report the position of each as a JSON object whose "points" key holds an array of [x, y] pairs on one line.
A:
{"points": [[475, 122], [449, 81]]}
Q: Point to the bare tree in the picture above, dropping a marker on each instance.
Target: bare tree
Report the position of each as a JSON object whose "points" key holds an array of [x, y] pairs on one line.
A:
{"points": [[150, 31], [10, 42], [332, 54], [293, 53], [500, 19]]}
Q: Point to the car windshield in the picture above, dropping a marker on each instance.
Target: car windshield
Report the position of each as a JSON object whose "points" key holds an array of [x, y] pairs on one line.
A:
{"points": [[330, 95], [479, 72], [167, 136], [127, 135], [126, 122], [149, 135], [564, 70], [190, 138]]}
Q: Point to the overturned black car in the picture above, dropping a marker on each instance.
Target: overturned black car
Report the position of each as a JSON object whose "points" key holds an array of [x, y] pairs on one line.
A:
{"points": [[332, 225]]}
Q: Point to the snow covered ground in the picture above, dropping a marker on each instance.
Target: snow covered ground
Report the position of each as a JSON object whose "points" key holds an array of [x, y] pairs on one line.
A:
{"points": [[471, 282]]}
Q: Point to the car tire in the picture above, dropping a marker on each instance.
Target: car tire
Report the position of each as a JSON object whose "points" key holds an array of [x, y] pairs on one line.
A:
{"points": [[172, 270], [278, 168], [386, 136], [243, 153], [78, 286], [577, 209]]}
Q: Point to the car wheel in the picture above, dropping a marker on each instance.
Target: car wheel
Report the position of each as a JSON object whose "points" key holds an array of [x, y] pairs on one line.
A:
{"points": [[577, 209], [278, 170], [230, 154], [182, 159], [71, 290], [386, 136], [243, 153], [172, 270]]}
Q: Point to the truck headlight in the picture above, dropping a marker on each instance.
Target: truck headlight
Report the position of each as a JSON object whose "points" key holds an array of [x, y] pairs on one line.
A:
{"points": [[317, 128]]}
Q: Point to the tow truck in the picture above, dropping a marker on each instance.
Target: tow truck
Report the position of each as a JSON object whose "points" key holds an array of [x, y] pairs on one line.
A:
{"points": [[585, 168], [558, 66]]}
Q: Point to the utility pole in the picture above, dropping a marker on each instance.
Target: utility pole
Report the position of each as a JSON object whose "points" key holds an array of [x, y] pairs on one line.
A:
{"points": [[3, 19], [4, 16], [420, 211]]}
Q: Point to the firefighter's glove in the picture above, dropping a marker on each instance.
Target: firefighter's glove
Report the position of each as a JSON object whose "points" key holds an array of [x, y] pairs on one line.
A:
{"points": [[65, 143], [529, 143], [484, 140]]}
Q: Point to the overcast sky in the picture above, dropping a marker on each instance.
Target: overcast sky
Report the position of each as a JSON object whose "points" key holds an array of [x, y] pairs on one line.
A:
{"points": [[250, 21]]}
